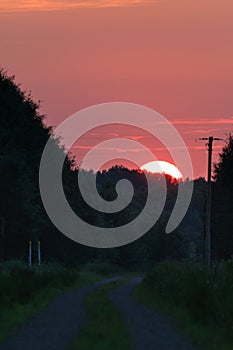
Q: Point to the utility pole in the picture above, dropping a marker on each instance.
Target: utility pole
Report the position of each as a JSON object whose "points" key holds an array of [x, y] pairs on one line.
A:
{"points": [[210, 140]]}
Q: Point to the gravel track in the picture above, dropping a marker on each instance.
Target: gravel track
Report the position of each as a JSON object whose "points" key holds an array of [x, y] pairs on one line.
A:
{"points": [[54, 327], [149, 329], [59, 323]]}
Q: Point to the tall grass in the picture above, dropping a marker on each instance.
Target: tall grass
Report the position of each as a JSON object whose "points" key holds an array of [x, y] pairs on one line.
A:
{"points": [[199, 298], [25, 291], [19, 283]]}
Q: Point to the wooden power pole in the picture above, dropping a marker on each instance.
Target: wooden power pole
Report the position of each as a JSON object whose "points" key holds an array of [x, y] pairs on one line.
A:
{"points": [[210, 140]]}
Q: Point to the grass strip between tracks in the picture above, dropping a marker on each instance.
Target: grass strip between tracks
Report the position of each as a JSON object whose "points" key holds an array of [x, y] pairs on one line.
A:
{"points": [[106, 328]]}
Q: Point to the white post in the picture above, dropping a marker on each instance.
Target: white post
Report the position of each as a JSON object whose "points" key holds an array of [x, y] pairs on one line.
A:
{"points": [[30, 254], [39, 253]]}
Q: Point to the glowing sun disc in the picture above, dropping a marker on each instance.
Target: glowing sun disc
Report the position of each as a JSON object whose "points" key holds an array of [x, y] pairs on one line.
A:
{"points": [[162, 167]]}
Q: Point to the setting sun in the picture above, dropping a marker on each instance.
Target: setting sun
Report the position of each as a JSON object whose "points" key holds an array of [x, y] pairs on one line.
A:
{"points": [[161, 167]]}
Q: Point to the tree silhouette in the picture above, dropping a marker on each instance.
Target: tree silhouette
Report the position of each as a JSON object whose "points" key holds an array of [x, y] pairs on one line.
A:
{"points": [[222, 226], [23, 136]]}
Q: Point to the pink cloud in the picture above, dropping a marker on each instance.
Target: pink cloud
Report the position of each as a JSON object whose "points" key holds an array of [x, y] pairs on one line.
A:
{"points": [[200, 148], [48, 5], [81, 147], [203, 121], [101, 135], [135, 138]]}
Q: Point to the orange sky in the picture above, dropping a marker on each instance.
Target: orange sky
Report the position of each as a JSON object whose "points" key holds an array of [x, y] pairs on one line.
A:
{"points": [[174, 56]]}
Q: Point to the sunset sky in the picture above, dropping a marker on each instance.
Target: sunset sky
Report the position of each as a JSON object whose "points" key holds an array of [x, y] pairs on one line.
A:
{"points": [[174, 56]]}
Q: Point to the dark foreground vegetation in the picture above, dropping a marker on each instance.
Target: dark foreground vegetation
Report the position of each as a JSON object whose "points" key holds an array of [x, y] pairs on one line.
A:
{"points": [[198, 299], [24, 291], [201, 298]]}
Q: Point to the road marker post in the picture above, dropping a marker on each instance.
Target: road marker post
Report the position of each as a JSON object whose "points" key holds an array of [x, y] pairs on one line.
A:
{"points": [[30, 254], [39, 253]]}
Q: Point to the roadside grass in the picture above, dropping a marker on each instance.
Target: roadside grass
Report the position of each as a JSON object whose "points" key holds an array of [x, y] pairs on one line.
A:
{"points": [[106, 328], [25, 292], [198, 301]]}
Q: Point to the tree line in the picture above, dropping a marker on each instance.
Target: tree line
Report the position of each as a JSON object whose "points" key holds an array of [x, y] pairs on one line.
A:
{"points": [[23, 135]]}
